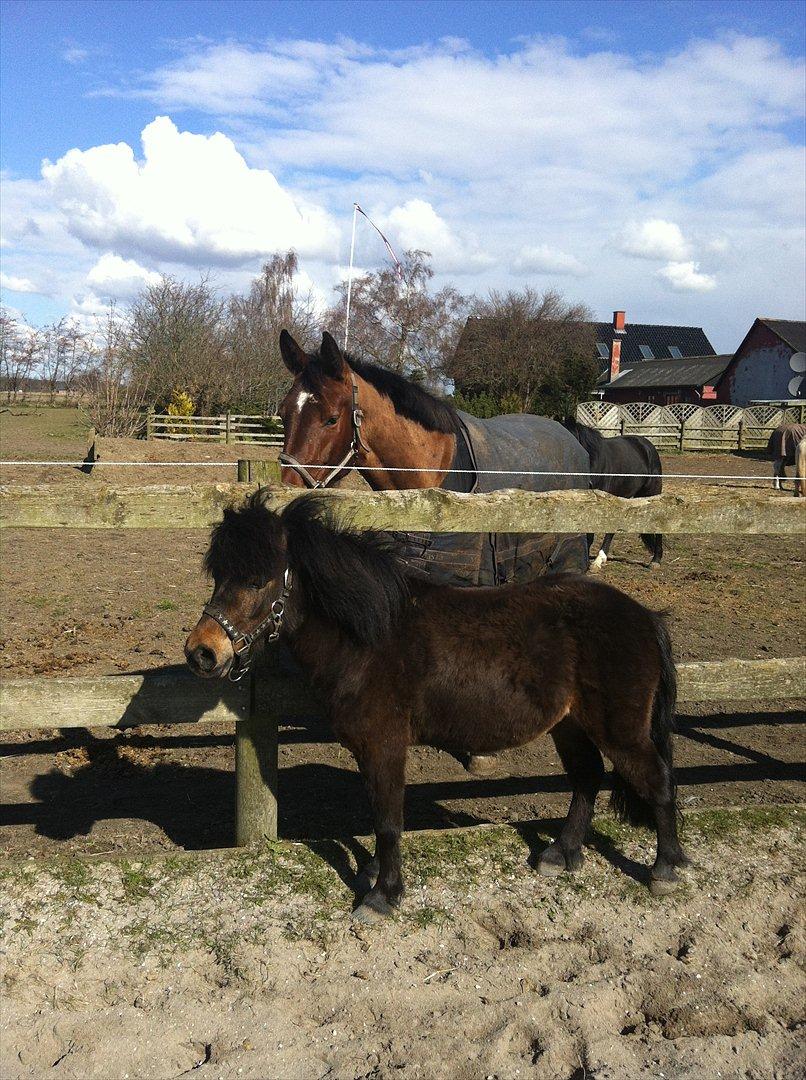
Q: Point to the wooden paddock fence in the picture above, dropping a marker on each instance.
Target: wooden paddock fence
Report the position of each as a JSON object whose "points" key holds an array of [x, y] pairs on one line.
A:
{"points": [[256, 708], [691, 427], [225, 428]]}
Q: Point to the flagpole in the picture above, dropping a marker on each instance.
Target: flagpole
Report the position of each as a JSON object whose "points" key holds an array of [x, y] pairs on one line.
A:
{"points": [[350, 279]]}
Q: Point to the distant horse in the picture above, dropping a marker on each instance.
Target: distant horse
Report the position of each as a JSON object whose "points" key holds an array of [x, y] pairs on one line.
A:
{"points": [[630, 454], [401, 661], [781, 447], [800, 468]]}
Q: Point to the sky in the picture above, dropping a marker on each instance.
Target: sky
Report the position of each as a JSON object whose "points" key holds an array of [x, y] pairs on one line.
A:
{"points": [[640, 156]]}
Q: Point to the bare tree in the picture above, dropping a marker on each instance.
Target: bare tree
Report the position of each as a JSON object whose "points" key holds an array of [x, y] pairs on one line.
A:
{"points": [[534, 349], [253, 329], [62, 355], [115, 392], [19, 349], [398, 322]]}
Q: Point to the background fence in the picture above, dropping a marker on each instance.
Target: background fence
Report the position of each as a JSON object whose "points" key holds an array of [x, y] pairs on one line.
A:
{"points": [[691, 427], [256, 709], [226, 428]]}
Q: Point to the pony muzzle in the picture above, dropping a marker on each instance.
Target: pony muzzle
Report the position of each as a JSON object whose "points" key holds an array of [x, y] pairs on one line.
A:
{"points": [[208, 650]]}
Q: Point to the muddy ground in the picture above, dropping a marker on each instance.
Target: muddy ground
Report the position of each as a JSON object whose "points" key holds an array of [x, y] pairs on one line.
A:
{"points": [[142, 959]]}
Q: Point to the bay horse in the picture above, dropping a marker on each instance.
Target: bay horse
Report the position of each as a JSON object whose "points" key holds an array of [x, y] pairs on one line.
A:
{"points": [[631, 454], [400, 661]]}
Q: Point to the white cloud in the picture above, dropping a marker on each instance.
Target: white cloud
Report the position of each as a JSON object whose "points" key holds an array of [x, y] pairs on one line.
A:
{"points": [[193, 199], [17, 284], [655, 239], [119, 279], [545, 260], [416, 224], [686, 277]]}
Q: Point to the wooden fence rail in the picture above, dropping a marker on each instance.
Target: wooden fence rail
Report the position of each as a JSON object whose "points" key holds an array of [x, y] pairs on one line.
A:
{"points": [[194, 506], [226, 428], [175, 696]]}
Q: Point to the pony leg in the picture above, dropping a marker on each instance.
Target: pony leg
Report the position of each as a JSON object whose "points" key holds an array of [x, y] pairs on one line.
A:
{"points": [[650, 793], [778, 473], [653, 542], [585, 768], [604, 551], [384, 771]]}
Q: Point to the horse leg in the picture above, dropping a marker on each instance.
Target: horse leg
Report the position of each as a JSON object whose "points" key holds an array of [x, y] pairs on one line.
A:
{"points": [[585, 768], [653, 542], [649, 777], [778, 473], [604, 551], [383, 768]]}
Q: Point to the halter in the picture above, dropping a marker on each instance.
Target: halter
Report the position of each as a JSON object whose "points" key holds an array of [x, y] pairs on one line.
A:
{"points": [[243, 643], [356, 444]]}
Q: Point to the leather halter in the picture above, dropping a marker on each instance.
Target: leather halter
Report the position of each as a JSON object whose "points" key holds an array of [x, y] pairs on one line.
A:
{"points": [[356, 444], [242, 643]]}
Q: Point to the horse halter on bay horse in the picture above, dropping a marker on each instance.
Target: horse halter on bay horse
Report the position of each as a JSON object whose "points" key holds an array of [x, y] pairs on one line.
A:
{"points": [[243, 643], [356, 444]]}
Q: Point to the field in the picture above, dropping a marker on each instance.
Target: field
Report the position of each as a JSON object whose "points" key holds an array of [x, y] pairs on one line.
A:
{"points": [[529, 976]]}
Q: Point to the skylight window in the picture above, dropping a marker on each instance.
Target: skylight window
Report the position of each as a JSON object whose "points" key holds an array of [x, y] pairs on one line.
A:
{"points": [[603, 350], [646, 352], [675, 353]]}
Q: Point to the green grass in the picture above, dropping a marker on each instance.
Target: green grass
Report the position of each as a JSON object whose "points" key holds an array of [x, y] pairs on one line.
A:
{"points": [[167, 605]]}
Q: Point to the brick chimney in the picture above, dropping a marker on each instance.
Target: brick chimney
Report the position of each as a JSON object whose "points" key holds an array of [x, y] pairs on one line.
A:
{"points": [[619, 318]]}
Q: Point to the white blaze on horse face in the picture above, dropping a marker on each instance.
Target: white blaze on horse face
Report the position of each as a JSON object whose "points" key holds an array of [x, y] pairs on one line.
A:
{"points": [[303, 397]]}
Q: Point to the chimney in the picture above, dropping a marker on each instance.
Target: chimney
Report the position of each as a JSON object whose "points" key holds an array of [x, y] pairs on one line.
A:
{"points": [[618, 321], [615, 355]]}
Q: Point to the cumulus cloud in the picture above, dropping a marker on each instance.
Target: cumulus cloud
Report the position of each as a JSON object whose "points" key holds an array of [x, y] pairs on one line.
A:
{"points": [[17, 284], [655, 239], [545, 260], [416, 224], [118, 278], [192, 199], [686, 277]]}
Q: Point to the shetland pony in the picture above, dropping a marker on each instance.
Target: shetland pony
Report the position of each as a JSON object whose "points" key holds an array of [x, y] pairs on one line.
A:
{"points": [[400, 662], [625, 454]]}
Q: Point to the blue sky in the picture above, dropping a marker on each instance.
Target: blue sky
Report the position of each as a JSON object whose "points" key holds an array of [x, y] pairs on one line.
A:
{"points": [[638, 155]]}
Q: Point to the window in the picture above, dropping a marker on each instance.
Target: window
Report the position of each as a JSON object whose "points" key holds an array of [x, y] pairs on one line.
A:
{"points": [[675, 353], [646, 352], [603, 350]]}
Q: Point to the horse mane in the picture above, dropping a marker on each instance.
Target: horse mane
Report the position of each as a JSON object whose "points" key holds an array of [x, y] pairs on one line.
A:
{"points": [[409, 399], [589, 438], [354, 579]]}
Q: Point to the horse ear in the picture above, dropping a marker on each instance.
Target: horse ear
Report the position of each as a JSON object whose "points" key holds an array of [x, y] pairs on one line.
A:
{"points": [[330, 356], [294, 357]]}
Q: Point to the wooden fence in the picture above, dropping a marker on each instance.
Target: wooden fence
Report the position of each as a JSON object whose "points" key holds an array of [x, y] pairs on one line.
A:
{"points": [[226, 428], [175, 696], [691, 427]]}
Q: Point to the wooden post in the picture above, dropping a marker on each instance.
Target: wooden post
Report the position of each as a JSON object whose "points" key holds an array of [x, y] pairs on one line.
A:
{"points": [[741, 434], [258, 471], [682, 434], [228, 427], [256, 768]]}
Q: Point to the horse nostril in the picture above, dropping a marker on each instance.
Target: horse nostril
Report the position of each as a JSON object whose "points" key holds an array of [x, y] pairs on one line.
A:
{"points": [[203, 658]]}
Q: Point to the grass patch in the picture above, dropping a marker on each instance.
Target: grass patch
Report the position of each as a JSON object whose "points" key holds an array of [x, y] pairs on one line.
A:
{"points": [[167, 605], [136, 881]]}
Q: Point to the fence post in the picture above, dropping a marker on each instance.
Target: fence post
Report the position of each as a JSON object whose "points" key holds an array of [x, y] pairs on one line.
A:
{"points": [[228, 427], [256, 768], [150, 422], [682, 433], [258, 470], [741, 434]]}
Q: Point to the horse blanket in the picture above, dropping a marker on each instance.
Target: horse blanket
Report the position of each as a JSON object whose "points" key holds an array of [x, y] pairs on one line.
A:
{"points": [[519, 442], [784, 440]]}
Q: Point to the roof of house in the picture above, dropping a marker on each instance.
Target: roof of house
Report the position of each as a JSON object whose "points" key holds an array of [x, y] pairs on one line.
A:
{"points": [[690, 340], [789, 331], [692, 371]]}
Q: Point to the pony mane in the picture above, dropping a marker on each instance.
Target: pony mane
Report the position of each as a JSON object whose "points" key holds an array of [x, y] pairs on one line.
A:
{"points": [[589, 438], [354, 579], [409, 399], [247, 544]]}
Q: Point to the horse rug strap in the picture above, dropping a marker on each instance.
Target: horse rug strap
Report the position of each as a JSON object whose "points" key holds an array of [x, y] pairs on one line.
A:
{"points": [[505, 442]]}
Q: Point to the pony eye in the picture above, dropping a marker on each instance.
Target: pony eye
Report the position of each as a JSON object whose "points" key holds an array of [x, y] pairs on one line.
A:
{"points": [[331, 421]]}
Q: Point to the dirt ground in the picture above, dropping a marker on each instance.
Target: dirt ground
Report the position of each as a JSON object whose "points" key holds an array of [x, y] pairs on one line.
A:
{"points": [[243, 965]]}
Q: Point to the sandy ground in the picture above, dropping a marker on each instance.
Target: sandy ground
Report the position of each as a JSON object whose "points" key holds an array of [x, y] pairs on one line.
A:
{"points": [[247, 965]]}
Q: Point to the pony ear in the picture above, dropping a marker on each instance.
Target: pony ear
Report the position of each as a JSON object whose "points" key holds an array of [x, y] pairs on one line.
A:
{"points": [[294, 357], [330, 356]]}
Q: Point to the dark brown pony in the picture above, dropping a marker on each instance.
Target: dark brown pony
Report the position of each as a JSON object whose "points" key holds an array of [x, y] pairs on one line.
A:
{"points": [[402, 662]]}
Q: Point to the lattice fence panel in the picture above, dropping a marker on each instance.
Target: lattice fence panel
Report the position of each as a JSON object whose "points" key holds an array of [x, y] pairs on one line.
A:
{"points": [[654, 422], [602, 415]]}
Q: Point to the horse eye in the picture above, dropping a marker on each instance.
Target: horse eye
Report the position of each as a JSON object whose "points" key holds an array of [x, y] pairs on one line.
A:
{"points": [[331, 421]]}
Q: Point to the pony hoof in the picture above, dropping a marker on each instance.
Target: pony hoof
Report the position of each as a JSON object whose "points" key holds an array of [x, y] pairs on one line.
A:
{"points": [[595, 567], [482, 764], [374, 909], [554, 861], [654, 565], [662, 886]]}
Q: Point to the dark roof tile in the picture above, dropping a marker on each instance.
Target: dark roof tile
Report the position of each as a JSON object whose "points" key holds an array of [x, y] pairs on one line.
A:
{"points": [[692, 371], [788, 330]]}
